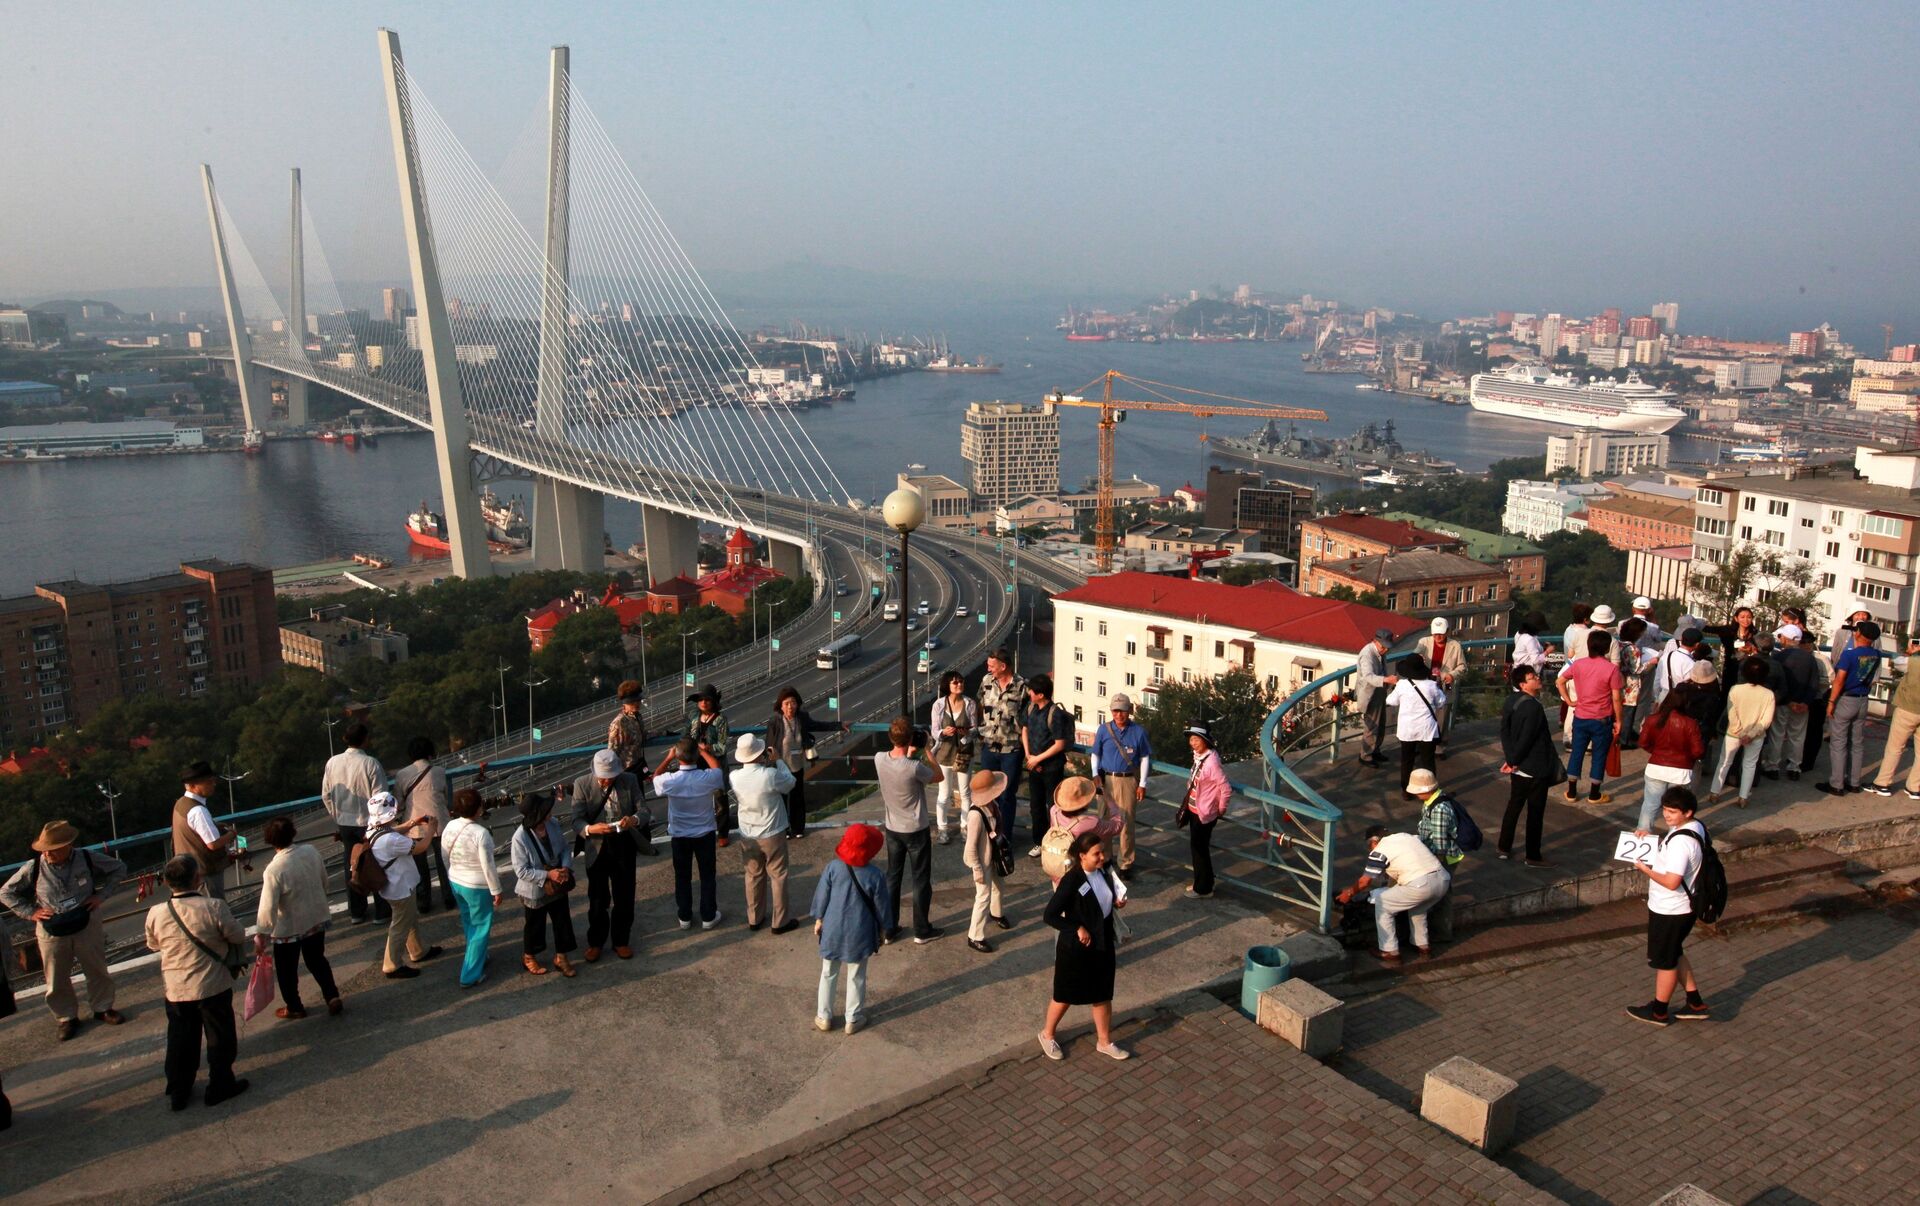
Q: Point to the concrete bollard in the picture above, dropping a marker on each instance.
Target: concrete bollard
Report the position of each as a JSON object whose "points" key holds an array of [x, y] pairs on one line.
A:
{"points": [[1304, 1016], [1689, 1195], [1473, 1102]]}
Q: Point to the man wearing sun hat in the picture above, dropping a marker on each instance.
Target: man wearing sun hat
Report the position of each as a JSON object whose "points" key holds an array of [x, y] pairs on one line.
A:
{"points": [[760, 788], [60, 890], [606, 831], [194, 832], [980, 822]]}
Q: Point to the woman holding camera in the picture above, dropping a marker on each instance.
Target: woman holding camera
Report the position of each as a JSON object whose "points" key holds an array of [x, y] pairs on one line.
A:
{"points": [[543, 875], [789, 743], [954, 720]]}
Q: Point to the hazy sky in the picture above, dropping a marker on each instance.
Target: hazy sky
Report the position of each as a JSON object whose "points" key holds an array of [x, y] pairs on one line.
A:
{"points": [[1754, 162]]}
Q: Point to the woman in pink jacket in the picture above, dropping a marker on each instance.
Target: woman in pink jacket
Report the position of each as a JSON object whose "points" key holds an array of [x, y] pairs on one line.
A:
{"points": [[1205, 803]]}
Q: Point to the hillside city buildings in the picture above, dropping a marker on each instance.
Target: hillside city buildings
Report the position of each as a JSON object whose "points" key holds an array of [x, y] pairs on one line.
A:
{"points": [[1012, 450]]}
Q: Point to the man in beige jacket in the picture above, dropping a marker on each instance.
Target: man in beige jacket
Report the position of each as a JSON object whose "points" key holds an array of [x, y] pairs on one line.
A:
{"points": [[193, 933]]}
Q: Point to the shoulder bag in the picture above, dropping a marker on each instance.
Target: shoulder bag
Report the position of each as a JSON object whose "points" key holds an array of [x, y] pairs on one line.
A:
{"points": [[235, 960], [67, 922], [549, 862], [873, 911]]}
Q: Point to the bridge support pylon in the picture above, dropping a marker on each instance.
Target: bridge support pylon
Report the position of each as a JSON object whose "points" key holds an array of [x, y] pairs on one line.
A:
{"points": [[789, 559], [251, 399], [673, 543], [569, 526], [452, 451], [297, 312]]}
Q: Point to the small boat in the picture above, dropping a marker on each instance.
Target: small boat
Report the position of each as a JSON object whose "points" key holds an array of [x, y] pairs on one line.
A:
{"points": [[427, 530], [328, 436], [254, 442], [1076, 337], [1386, 477], [351, 439]]}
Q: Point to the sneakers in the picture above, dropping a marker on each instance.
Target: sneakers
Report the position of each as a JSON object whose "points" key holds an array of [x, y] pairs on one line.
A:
{"points": [[1650, 1013], [1051, 1047], [1034, 853], [1877, 789], [1503, 854], [686, 923], [714, 920], [946, 837], [854, 1024], [1113, 1051], [823, 1025], [1912, 794], [1599, 797], [1690, 1013], [933, 931]]}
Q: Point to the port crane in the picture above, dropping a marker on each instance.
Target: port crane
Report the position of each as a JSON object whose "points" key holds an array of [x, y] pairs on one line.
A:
{"points": [[1113, 410]]}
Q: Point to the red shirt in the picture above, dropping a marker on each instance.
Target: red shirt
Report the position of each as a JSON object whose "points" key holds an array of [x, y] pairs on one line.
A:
{"points": [[1595, 679]]}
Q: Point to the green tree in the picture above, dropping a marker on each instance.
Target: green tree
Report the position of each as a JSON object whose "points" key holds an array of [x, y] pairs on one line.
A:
{"points": [[1366, 598], [1232, 705]]}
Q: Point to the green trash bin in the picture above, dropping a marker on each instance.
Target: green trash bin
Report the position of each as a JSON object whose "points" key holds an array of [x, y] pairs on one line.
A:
{"points": [[1265, 967]]}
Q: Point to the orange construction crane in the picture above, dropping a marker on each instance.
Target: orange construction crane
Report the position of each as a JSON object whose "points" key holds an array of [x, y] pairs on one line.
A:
{"points": [[1113, 410]]}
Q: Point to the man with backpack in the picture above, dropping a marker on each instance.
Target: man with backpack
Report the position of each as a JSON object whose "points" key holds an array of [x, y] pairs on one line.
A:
{"points": [[1442, 829], [1045, 737], [383, 865], [59, 891], [1684, 882]]}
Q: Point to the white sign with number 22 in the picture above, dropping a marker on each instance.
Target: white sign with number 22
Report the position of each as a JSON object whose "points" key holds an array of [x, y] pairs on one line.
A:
{"points": [[1631, 848]]}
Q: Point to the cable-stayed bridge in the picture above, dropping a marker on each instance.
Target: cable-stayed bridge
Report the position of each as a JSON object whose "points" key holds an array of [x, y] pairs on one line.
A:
{"points": [[590, 357]]}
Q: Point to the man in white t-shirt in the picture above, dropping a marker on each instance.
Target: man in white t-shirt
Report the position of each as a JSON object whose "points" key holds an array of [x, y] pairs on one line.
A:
{"points": [[1415, 882], [1671, 873]]}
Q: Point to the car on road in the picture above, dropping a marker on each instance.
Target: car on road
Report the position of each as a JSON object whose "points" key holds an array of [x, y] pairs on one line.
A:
{"points": [[933, 642], [913, 622], [923, 608], [840, 590], [891, 611], [953, 552], [960, 611]]}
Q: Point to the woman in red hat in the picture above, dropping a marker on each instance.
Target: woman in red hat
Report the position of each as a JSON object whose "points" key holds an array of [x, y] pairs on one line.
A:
{"points": [[852, 912]]}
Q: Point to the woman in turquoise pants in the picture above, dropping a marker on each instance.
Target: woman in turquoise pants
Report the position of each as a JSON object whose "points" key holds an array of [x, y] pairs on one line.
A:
{"points": [[468, 846]]}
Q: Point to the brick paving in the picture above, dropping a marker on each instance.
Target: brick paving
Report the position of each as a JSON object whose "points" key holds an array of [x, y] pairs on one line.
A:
{"points": [[1804, 1088], [1211, 1109]]}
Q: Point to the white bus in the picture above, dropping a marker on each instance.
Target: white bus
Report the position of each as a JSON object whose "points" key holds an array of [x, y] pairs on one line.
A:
{"points": [[843, 650]]}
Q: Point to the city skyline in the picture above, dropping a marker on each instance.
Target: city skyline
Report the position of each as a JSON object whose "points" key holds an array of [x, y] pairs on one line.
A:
{"points": [[1523, 160]]}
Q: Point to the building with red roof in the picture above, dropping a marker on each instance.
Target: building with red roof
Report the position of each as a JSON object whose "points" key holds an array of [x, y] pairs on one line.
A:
{"points": [[1129, 633], [1353, 534]]}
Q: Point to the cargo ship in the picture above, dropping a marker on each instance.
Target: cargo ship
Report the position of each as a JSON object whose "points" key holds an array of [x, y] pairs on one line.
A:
{"points": [[427, 530], [506, 521], [949, 364], [254, 442], [1077, 337], [1531, 391], [1372, 451]]}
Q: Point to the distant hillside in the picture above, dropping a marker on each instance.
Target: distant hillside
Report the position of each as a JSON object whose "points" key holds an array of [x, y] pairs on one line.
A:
{"points": [[71, 310]]}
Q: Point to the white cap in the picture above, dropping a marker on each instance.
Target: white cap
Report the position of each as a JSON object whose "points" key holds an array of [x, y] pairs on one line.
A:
{"points": [[1642, 603], [1789, 632], [606, 764], [1439, 626]]}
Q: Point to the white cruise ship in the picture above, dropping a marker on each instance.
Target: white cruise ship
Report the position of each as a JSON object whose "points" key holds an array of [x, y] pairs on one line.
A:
{"points": [[1530, 391]]}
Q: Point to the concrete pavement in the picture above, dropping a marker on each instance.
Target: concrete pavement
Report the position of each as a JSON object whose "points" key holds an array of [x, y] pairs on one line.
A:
{"points": [[626, 1083]]}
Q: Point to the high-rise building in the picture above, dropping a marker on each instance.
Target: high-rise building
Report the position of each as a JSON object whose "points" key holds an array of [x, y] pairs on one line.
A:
{"points": [[1013, 449], [1591, 453], [1550, 334], [1667, 314], [77, 646], [1272, 508], [1804, 343], [1643, 326], [395, 304]]}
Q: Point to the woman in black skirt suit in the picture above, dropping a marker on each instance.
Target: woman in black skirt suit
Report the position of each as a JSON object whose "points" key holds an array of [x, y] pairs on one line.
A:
{"points": [[1083, 962]]}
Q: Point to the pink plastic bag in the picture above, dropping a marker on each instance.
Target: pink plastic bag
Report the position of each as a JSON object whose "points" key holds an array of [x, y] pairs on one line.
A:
{"points": [[260, 986]]}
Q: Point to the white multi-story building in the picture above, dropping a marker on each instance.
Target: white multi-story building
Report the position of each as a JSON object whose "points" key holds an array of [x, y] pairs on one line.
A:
{"points": [[1746, 374], [1013, 449], [1668, 316], [1592, 453], [1537, 509], [1133, 633], [1858, 534], [1550, 334]]}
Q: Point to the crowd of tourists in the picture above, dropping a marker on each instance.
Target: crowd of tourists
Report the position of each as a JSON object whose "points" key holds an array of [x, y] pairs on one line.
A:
{"points": [[410, 843]]}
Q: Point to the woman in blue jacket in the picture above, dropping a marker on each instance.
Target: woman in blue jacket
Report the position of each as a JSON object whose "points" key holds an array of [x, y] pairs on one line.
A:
{"points": [[852, 910]]}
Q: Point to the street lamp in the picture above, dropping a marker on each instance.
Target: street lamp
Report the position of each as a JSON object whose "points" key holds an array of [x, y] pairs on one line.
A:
{"points": [[771, 607], [531, 683], [684, 684], [113, 819], [232, 779], [330, 723], [903, 510]]}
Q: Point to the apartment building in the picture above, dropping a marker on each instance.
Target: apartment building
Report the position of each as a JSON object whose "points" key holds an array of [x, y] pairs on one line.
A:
{"points": [[1857, 527], [76, 646], [1636, 521], [329, 640], [1134, 632], [1525, 564], [1351, 534], [1426, 584], [1270, 506], [1591, 453], [1012, 450], [1539, 509], [949, 504]]}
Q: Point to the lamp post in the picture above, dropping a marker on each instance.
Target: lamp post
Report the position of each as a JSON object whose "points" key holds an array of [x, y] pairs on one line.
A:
{"points": [[232, 779], [903, 510], [330, 723], [771, 607], [697, 651], [113, 818], [531, 683], [506, 728]]}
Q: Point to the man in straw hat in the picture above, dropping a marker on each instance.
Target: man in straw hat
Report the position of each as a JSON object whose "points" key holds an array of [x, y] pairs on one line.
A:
{"points": [[606, 828], [627, 733], [60, 890], [760, 788], [194, 832]]}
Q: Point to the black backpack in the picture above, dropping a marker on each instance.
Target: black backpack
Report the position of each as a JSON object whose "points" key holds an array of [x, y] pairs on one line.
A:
{"points": [[1708, 892]]}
